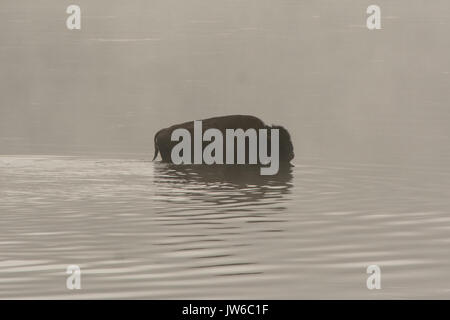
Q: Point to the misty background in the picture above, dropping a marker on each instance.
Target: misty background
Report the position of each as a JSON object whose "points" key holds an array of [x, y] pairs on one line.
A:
{"points": [[136, 66]]}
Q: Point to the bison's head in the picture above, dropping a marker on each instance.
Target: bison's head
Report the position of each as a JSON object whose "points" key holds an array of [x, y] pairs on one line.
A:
{"points": [[286, 147]]}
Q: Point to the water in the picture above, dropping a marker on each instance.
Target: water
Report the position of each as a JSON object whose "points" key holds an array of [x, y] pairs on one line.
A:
{"points": [[139, 229]]}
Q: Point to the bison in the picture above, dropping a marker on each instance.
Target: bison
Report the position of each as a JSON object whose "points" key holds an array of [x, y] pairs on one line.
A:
{"points": [[164, 143]]}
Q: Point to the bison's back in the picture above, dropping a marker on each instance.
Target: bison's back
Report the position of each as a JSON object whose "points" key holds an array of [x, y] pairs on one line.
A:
{"points": [[225, 122]]}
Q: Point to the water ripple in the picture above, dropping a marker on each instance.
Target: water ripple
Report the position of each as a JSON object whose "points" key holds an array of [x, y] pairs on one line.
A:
{"points": [[148, 230]]}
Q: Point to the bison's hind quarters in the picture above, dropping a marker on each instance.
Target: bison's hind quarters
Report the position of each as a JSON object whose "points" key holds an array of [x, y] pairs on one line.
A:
{"points": [[156, 153], [155, 144]]}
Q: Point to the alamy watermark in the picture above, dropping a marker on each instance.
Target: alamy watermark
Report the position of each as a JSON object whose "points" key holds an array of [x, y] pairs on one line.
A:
{"points": [[374, 280], [74, 279], [373, 22], [73, 22], [213, 152]]}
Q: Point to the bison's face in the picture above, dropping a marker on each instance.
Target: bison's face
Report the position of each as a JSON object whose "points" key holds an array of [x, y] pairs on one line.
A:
{"points": [[286, 147]]}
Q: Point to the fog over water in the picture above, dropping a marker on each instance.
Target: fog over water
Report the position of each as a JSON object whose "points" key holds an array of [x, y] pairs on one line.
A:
{"points": [[368, 112], [312, 66]]}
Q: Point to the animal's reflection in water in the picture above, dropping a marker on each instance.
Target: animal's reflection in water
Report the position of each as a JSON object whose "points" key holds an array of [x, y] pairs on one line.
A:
{"points": [[218, 211], [221, 185], [217, 220]]}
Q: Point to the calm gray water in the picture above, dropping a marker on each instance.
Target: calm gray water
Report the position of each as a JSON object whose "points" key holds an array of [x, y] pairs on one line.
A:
{"points": [[139, 229]]}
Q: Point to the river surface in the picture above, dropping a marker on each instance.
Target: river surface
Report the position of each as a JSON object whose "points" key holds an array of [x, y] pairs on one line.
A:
{"points": [[139, 229]]}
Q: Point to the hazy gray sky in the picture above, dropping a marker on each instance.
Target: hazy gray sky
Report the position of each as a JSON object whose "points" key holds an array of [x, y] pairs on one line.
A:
{"points": [[312, 66]]}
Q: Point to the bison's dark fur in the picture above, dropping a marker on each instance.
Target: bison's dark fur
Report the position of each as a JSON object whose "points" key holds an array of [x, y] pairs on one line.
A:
{"points": [[164, 145]]}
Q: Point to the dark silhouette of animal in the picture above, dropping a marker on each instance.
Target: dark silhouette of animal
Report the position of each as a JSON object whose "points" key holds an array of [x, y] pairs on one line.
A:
{"points": [[164, 145]]}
